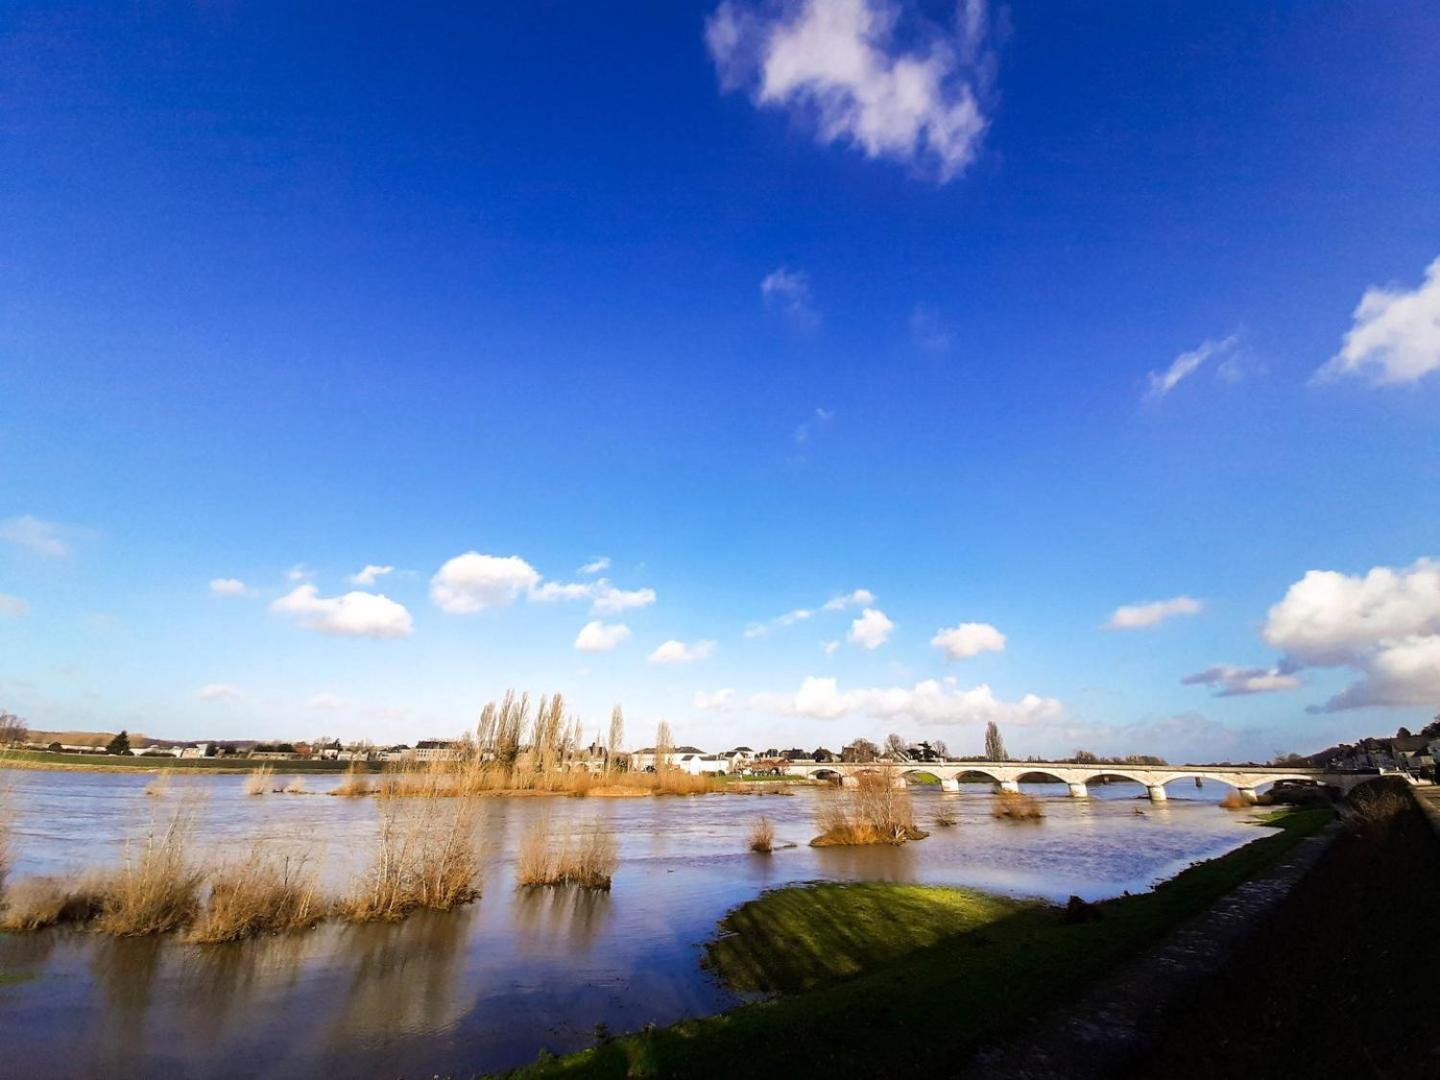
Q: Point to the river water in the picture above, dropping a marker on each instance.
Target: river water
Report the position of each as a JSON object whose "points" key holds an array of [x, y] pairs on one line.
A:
{"points": [[489, 986]]}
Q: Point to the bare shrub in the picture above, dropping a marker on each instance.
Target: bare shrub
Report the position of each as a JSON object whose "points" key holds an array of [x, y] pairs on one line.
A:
{"points": [[1233, 800], [1374, 807], [35, 903], [425, 857], [588, 861], [945, 819], [1016, 806], [258, 782], [160, 785], [262, 895], [296, 786], [355, 783], [875, 811], [157, 889], [762, 836]]}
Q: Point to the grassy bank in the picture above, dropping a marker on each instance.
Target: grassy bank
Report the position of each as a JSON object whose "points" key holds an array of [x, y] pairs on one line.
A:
{"points": [[902, 979], [45, 759]]}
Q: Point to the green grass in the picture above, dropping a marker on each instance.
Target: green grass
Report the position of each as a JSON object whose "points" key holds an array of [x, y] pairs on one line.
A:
{"points": [[231, 764], [916, 977]]}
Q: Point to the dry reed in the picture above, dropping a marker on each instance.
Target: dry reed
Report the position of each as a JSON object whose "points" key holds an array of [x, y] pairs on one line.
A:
{"points": [[35, 903], [874, 811], [262, 895], [156, 890], [762, 836], [258, 782], [945, 819], [588, 862], [1233, 800], [160, 785], [1016, 806], [1372, 808], [296, 786], [355, 783]]}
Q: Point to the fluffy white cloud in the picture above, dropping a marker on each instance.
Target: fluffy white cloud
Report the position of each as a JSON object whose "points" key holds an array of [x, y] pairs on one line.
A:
{"points": [[355, 614], [969, 639], [227, 586], [596, 565], [596, 636], [325, 701], [1161, 383], [1231, 681], [858, 598], [218, 692], [788, 291], [927, 702], [1143, 616], [1396, 335], [605, 598], [368, 575], [677, 652], [714, 702], [13, 606], [905, 93], [1386, 625], [471, 582], [872, 629], [42, 537]]}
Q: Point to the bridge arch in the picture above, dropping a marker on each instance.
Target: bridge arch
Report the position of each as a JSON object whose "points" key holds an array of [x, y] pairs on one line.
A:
{"points": [[828, 775], [1114, 774], [960, 775], [1040, 776]]}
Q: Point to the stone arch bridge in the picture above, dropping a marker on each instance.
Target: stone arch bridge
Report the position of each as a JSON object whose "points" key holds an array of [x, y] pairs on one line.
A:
{"points": [[1006, 775]]}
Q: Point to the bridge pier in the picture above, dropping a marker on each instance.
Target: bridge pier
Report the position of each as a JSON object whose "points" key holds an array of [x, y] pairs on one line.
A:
{"points": [[1249, 795], [950, 785], [1079, 791], [1011, 786], [1157, 793]]}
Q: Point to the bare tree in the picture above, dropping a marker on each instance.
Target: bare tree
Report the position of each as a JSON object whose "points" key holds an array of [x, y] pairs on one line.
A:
{"points": [[897, 747], [12, 729], [664, 746], [994, 744], [861, 752], [941, 749], [616, 741]]}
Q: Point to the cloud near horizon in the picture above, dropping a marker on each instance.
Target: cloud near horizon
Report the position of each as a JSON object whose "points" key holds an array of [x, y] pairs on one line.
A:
{"points": [[968, 639], [873, 74], [596, 636], [715, 701], [1144, 616], [931, 701], [227, 586], [472, 582], [1231, 681], [368, 575], [355, 614], [871, 630], [1395, 338], [46, 538], [219, 692]]}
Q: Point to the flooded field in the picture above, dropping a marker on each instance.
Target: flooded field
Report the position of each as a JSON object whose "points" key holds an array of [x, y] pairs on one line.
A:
{"points": [[492, 984]]}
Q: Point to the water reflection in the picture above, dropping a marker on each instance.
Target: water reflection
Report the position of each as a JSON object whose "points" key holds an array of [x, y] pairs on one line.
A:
{"points": [[545, 916]]}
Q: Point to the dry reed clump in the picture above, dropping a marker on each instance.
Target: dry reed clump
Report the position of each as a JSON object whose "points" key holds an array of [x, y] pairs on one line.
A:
{"points": [[354, 784], [296, 786], [35, 903], [262, 895], [160, 785], [156, 890], [875, 811], [1374, 807], [1016, 806], [258, 782], [945, 819], [588, 862], [1233, 800], [425, 858], [762, 836]]}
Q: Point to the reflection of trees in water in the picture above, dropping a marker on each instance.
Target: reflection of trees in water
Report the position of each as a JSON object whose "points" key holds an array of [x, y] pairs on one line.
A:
{"points": [[870, 862], [406, 977], [125, 971], [544, 914]]}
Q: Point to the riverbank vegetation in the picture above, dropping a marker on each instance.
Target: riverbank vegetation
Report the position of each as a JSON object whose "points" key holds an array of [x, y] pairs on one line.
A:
{"points": [[587, 861], [762, 836], [874, 981], [874, 811], [1016, 806]]}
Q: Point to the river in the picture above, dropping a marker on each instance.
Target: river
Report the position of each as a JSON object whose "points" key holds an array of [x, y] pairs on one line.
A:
{"points": [[489, 986]]}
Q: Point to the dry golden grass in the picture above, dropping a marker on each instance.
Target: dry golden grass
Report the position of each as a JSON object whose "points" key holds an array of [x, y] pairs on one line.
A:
{"points": [[1233, 800], [35, 903], [470, 776], [588, 861], [296, 786], [874, 811], [262, 895], [945, 819], [426, 857], [355, 783], [157, 889], [258, 782], [762, 836], [1016, 806], [160, 785]]}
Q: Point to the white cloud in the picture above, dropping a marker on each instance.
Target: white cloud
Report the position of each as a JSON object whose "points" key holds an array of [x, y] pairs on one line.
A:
{"points": [[299, 572], [790, 618], [605, 598], [1186, 364], [355, 614], [368, 575], [717, 701], [471, 582], [1385, 625], [596, 565], [1231, 681], [325, 701], [42, 537], [904, 93], [218, 692], [227, 586], [968, 639], [928, 702], [1144, 616], [872, 629], [858, 598], [1396, 334], [13, 606], [831, 647], [677, 652], [788, 291], [596, 636]]}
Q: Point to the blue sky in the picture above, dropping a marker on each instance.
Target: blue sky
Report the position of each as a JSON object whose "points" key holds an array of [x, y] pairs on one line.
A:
{"points": [[1008, 319]]}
